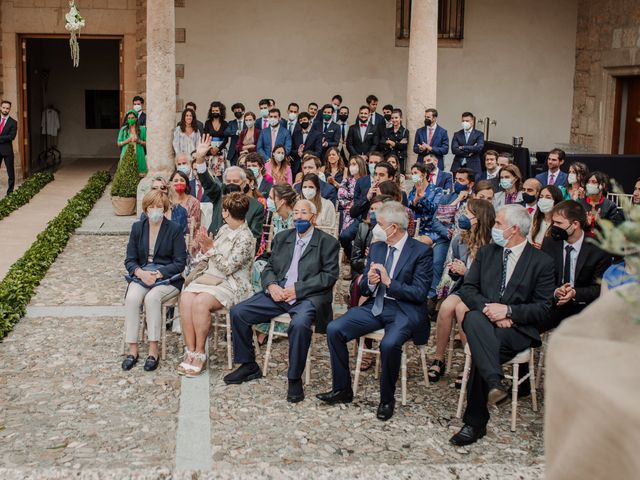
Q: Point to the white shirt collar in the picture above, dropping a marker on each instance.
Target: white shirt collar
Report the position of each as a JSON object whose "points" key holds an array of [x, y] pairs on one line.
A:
{"points": [[307, 238], [577, 245], [518, 249], [399, 245]]}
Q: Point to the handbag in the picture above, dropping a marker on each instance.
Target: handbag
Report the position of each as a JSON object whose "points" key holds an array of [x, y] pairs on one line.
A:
{"points": [[198, 274]]}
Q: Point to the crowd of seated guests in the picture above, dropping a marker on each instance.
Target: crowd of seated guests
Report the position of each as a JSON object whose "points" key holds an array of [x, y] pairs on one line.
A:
{"points": [[503, 257]]}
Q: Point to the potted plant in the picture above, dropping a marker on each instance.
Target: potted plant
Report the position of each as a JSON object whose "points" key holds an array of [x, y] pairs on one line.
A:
{"points": [[125, 184]]}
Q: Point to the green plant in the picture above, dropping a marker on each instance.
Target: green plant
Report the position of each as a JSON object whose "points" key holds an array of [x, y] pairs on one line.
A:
{"points": [[18, 286], [24, 193], [125, 181]]}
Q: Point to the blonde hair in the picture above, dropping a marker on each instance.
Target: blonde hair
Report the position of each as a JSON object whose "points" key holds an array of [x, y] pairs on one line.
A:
{"points": [[155, 197]]}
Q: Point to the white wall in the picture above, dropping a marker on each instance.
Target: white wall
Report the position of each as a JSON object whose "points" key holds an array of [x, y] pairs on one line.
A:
{"points": [[516, 64]]}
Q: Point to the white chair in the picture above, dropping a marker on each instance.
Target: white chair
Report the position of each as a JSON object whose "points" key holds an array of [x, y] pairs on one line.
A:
{"points": [[286, 319], [526, 356], [217, 323], [171, 302], [545, 340], [452, 338], [620, 198], [206, 209], [377, 336]]}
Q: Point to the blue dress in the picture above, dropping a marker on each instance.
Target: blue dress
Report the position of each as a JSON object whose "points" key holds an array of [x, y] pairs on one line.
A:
{"points": [[616, 276]]}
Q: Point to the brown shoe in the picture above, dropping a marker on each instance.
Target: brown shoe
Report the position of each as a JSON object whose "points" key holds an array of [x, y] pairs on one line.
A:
{"points": [[497, 395]]}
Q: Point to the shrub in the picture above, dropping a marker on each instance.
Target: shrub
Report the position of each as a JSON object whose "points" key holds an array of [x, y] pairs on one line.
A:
{"points": [[125, 181], [24, 193], [18, 286]]}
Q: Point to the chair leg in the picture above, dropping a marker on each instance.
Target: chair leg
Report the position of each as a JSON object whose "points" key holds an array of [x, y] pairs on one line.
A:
{"points": [[378, 361], [465, 380], [452, 337], [256, 345], [356, 377], [307, 367], [163, 334], [540, 363], [532, 381], [425, 369], [403, 378], [214, 318], [229, 346], [514, 395], [267, 354]]}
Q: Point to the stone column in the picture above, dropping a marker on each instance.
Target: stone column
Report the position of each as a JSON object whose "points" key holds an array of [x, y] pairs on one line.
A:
{"points": [[422, 73], [161, 90]]}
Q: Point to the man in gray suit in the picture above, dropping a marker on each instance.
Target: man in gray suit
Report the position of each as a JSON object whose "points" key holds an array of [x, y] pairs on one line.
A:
{"points": [[298, 280]]}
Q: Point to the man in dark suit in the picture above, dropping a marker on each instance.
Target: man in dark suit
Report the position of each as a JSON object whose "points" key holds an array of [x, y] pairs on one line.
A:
{"points": [[8, 131], [304, 139], [343, 118], [467, 144], [508, 291], [363, 137], [553, 175], [437, 176], [431, 139], [138, 106], [396, 279], [312, 164], [276, 134], [491, 171], [376, 119], [330, 130], [298, 279], [579, 264], [234, 128]]}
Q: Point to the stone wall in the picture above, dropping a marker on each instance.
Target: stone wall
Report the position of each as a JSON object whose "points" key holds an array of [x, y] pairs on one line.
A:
{"points": [[1, 75], [607, 45], [141, 47]]}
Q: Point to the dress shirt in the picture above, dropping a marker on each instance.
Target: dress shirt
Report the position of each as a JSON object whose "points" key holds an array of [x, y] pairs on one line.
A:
{"points": [[363, 130], [433, 176], [555, 177], [344, 128], [514, 256], [491, 176], [265, 123], [431, 131], [577, 245], [274, 135], [305, 243], [240, 127], [291, 125], [305, 134]]}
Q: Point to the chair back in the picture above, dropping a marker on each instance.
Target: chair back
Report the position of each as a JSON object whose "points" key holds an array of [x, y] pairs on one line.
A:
{"points": [[206, 209], [620, 198]]}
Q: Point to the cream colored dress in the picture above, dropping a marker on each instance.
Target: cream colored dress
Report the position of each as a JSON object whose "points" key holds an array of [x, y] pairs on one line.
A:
{"points": [[230, 259]]}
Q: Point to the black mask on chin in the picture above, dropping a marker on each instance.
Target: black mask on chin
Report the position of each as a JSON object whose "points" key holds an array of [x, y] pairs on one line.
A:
{"points": [[558, 233], [528, 198]]}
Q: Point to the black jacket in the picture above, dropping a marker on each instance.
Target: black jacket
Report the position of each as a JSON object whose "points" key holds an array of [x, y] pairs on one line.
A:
{"points": [[6, 137], [360, 245], [356, 145]]}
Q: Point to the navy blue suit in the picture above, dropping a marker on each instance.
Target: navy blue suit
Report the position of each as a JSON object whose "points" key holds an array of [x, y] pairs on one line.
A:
{"points": [[194, 193], [264, 147], [439, 144], [468, 157], [403, 315], [561, 178], [331, 134], [444, 180], [495, 181], [231, 132]]}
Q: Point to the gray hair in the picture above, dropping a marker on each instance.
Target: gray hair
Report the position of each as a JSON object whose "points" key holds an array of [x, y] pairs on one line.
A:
{"points": [[394, 213], [181, 155], [309, 203], [243, 174], [517, 215]]}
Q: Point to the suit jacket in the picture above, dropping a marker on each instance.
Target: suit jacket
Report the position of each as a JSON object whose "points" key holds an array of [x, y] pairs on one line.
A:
{"points": [[591, 264], [328, 192], [495, 181], [205, 198], [411, 279], [7, 135], [264, 147], [360, 206], [356, 145], [265, 187], [444, 180], [470, 156], [313, 143], [317, 271], [400, 149], [332, 135], [254, 217], [380, 124], [232, 135], [529, 291], [439, 144], [170, 250], [561, 178]]}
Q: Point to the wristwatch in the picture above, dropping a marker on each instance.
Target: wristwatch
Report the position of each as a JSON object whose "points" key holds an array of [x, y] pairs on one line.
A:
{"points": [[509, 312]]}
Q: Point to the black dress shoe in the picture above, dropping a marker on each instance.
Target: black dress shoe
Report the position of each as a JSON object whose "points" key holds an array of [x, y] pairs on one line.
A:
{"points": [[129, 362], [244, 373], [336, 396], [468, 435], [150, 364], [385, 410], [295, 393]]}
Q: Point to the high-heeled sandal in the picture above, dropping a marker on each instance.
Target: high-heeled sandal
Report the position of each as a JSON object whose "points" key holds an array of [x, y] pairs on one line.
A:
{"points": [[435, 375], [196, 371], [184, 367]]}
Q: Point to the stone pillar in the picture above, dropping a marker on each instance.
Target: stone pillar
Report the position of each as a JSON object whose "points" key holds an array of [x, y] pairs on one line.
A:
{"points": [[161, 90], [422, 74]]}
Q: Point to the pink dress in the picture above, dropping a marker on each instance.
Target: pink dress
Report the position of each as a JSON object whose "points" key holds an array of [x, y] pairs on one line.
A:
{"points": [[287, 178]]}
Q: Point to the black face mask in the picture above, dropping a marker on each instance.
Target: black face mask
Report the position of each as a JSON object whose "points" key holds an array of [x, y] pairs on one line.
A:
{"points": [[528, 198], [387, 117], [427, 122], [430, 167], [558, 233], [304, 125], [238, 115], [231, 188], [343, 117], [215, 115]]}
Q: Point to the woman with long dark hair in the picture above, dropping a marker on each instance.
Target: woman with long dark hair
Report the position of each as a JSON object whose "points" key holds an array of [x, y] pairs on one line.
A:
{"points": [[548, 198], [133, 133], [215, 127], [186, 136]]}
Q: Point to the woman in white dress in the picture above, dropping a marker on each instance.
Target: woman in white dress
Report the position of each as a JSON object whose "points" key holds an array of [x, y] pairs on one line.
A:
{"points": [[225, 282], [186, 136]]}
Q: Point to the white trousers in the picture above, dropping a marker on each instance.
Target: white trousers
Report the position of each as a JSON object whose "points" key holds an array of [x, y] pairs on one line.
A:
{"points": [[152, 298]]}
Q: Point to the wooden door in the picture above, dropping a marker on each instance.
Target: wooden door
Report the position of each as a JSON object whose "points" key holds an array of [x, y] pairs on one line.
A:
{"points": [[632, 122]]}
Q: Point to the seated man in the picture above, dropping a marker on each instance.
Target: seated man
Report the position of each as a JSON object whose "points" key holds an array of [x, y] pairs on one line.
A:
{"points": [[396, 280], [311, 164], [298, 279], [579, 264], [508, 291], [437, 176]]}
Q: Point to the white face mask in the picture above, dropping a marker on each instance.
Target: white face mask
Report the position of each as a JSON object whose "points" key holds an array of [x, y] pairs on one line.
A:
{"points": [[545, 205], [309, 193], [274, 122], [278, 157], [249, 123], [572, 178], [155, 215], [416, 177], [255, 171], [379, 234], [353, 170], [137, 108], [593, 189], [293, 116], [466, 125]]}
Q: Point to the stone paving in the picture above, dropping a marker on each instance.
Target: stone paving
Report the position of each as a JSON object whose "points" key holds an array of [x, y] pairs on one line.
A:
{"points": [[65, 405]]}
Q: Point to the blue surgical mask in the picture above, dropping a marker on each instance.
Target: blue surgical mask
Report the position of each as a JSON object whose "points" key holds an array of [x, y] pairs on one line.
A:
{"points": [[271, 205], [459, 187], [302, 225], [497, 236], [372, 218], [186, 169], [464, 223], [506, 184]]}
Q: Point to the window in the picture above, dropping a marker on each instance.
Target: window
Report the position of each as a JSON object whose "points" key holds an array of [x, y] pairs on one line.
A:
{"points": [[102, 109], [450, 21]]}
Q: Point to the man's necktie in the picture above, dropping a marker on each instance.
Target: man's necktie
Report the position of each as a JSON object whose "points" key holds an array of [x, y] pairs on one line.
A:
{"points": [[552, 179], [292, 274], [566, 273], [326, 125], [382, 288], [466, 137], [343, 131], [2, 122], [431, 176], [430, 137], [505, 260], [199, 191]]}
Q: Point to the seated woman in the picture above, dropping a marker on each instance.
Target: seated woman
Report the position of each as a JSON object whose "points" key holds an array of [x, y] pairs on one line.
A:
{"points": [[176, 213], [248, 138], [511, 184], [278, 167], [181, 191], [394, 161], [225, 282], [549, 197], [333, 167], [596, 203], [346, 191], [156, 256], [394, 190], [576, 180], [326, 210], [475, 227]]}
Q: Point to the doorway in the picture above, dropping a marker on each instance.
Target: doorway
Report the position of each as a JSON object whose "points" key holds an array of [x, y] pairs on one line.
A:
{"points": [[626, 127], [70, 113]]}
